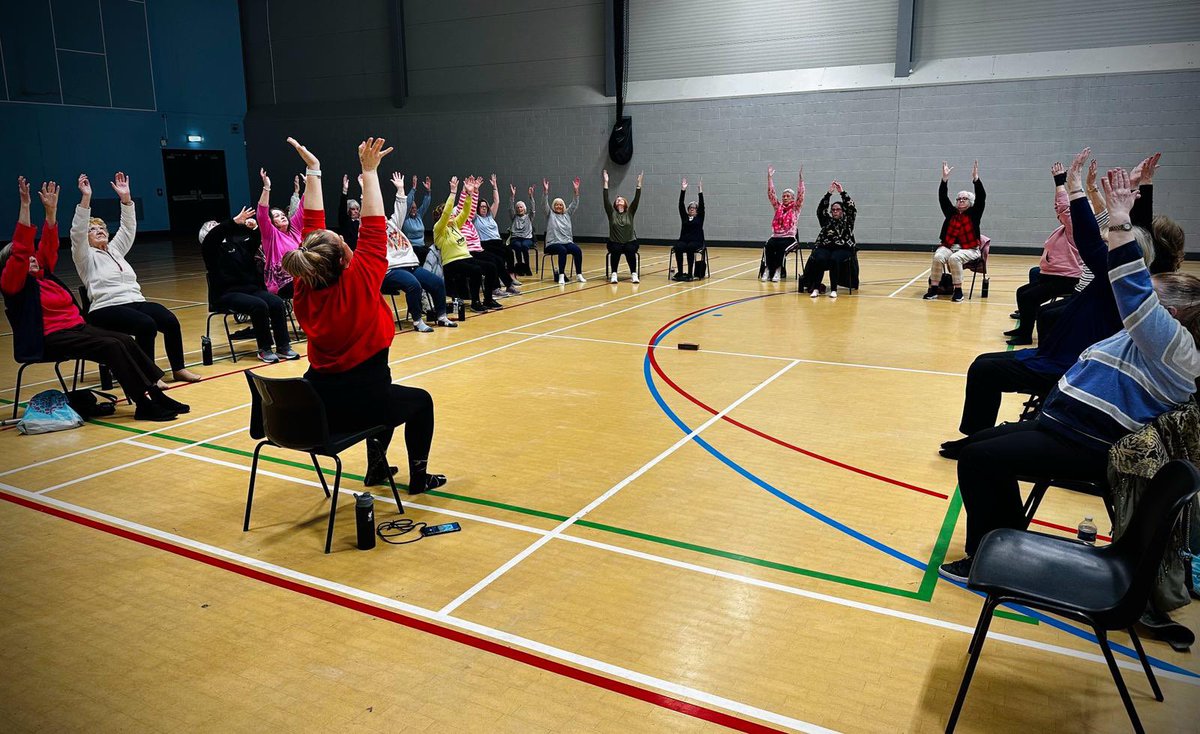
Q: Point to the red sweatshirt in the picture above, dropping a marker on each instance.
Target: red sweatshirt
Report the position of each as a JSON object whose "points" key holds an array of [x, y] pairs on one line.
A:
{"points": [[58, 310], [347, 322]]}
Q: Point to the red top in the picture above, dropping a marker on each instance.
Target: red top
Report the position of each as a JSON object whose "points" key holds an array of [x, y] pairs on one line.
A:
{"points": [[58, 310], [347, 322], [960, 231]]}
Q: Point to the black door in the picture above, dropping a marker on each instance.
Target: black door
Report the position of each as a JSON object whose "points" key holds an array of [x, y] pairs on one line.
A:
{"points": [[197, 190]]}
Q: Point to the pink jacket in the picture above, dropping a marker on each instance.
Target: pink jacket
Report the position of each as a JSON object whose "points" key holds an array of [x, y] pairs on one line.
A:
{"points": [[468, 228], [1060, 256], [783, 224], [275, 244]]}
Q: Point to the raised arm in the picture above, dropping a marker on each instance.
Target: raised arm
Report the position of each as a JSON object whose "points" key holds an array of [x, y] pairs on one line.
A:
{"points": [[122, 241], [608, 210], [823, 207], [495, 207], [79, 229], [1091, 247], [16, 268], [800, 189], [400, 208], [682, 205], [637, 195], [470, 196], [48, 244], [372, 240], [424, 206], [944, 191], [771, 187], [849, 209], [574, 202], [312, 207], [1142, 177]]}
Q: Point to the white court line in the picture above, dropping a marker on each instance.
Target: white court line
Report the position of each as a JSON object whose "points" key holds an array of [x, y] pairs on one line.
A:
{"points": [[165, 452], [914, 280], [484, 582], [552, 335], [675, 689]]}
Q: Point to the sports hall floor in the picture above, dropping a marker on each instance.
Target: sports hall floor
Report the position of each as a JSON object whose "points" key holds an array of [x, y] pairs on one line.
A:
{"points": [[652, 539]]}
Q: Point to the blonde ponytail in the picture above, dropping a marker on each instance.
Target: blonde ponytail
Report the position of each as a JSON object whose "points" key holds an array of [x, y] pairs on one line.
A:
{"points": [[317, 262]]}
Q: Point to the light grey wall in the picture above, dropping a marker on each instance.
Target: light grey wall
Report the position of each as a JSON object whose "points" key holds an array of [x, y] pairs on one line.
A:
{"points": [[885, 146]]}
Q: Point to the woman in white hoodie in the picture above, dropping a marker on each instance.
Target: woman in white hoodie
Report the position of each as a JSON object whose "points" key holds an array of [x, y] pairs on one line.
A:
{"points": [[405, 274], [116, 298]]}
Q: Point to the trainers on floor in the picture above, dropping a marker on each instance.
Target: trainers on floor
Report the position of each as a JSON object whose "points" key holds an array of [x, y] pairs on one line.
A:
{"points": [[517, 282], [477, 307], [814, 293], [959, 570], [763, 277], [613, 278], [288, 353], [513, 290], [580, 278], [958, 295], [422, 327], [633, 278], [268, 356], [931, 294], [445, 321], [562, 278], [680, 277], [492, 306], [775, 278], [833, 293]]}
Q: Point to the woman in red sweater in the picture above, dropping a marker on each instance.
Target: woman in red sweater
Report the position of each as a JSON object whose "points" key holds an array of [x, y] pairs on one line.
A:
{"points": [[350, 329]]}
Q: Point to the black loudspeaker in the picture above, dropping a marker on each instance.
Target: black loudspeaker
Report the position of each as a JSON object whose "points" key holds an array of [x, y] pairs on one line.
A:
{"points": [[620, 142]]}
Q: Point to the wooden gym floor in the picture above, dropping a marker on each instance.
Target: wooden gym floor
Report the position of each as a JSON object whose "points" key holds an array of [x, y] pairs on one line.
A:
{"points": [[652, 539]]}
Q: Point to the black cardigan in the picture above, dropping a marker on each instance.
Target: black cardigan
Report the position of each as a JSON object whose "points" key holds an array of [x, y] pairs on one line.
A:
{"points": [[233, 258], [347, 227], [691, 231], [974, 213]]}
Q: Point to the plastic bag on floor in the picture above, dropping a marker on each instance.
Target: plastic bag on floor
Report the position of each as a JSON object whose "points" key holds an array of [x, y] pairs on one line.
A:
{"points": [[48, 411]]}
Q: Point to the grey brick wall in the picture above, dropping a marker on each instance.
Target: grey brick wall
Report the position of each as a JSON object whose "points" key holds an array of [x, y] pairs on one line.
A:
{"points": [[885, 146]]}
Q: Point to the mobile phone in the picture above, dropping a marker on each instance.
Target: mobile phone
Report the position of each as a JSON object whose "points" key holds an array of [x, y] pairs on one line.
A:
{"points": [[449, 527]]}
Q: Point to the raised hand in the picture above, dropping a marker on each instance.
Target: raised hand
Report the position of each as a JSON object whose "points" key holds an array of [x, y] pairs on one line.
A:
{"points": [[946, 169], [641, 175], [414, 183], [1091, 176], [371, 152], [48, 194], [243, 215], [576, 184], [770, 171], [531, 193], [1057, 169], [262, 173], [546, 184], [1143, 173], [121, 186], [1119, 194], [493, 179], [309, 159], [398, 181], [428, 183], [683, 184], [296, 185], [360, 182], [802, 172], [23, 190], [454, 184], [700, 185], [345, 183], [833, 187], [85, 186], [975, 171], [1075, 172], [605, 172], [512, 190]]}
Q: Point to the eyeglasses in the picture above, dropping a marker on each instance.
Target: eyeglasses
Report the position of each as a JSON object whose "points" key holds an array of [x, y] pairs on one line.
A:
{"points": [[964, 198]]}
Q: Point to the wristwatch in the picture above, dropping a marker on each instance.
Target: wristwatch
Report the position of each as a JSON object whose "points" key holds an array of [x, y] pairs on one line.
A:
{"points": [[1126, 227]]}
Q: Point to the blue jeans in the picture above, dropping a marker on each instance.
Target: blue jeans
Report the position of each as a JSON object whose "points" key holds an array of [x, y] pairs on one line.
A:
{"points": [[520, 247], [410, 282], [562, 249]]}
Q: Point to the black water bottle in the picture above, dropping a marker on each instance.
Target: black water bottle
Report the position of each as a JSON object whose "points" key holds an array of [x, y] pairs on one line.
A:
{"points": [[206, 350], [462, 310], [364, 515], [984, 290]]}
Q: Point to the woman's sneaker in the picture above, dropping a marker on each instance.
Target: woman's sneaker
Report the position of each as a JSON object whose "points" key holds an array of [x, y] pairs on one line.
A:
{"points": [[579, 277], [931, 294], [959, 570], [268, 356], [613, 278], [422, 327], [477, 307], [958, 296], [288, 353], [775, 278], [634, 279], [445, 321], [513, 290], [833, 293], [814, 293], [492, 305], [562, 278]]}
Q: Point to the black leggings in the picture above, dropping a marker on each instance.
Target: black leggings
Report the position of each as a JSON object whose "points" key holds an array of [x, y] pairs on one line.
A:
{"points": [[502, 251], [775, 253], [1049, 315], [822, 259], [990, 464], [135, 371], [364, 396], [690, 249], [143, 320], [562, 249], [1031, 296], [464, 278], [990, 376], [494, 271], [267, 313], [628, 249]]}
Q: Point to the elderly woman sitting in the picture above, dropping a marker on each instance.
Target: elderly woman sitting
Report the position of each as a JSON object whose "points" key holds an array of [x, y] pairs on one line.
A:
{"points": [[835, 244], [960, 238], [783, 225]]}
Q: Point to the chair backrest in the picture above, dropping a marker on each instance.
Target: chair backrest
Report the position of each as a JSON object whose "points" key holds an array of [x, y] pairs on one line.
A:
{"points": [[287, 411], [1139, 551], [85, 303]]}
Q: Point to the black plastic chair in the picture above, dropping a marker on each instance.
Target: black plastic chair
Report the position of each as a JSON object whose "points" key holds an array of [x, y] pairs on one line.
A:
{"points": [[794, 249], [541, 270], [288, 413], [215, 310], [1106, 588], [76, 377], [637, 259], [844, 274], [701, 256]]}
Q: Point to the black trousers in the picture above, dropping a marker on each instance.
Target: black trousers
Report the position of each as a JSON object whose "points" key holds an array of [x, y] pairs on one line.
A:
{"points": [[505, 253], [494, 272], [689, 249], [822, 259], [990, 376], [628, 249], [364, 396], [143, 321], [1048, 316], [267, 314], [464, 278], [775, 253], [135, 371], [989, 466], [562, 249], [1031, 296]]}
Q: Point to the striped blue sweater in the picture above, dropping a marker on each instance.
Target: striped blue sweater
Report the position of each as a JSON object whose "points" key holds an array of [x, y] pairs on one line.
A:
{"points": [[1126, 381]]}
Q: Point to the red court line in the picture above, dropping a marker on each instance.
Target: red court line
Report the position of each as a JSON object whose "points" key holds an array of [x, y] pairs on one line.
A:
{"points": [[650, 351], [479, 643]]}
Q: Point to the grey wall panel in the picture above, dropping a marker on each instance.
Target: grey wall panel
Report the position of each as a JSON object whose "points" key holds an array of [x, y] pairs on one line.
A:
{"points": [[954, 28], [670, 39], [885, 146]]}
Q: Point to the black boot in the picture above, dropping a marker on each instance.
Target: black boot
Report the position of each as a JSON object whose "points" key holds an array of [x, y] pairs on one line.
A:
{"points": [[158, 397]]}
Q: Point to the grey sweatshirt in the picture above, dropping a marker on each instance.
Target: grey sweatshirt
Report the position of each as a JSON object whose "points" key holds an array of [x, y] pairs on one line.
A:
{"points": [[522, 226], [558, 226]]}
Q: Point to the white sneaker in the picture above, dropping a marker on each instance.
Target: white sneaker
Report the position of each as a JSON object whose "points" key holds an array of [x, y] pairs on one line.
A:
{"points": [[580, 278], [775, 278], [833, 293], [763, 277], [516, 282], [634, 278], [613, 277], [513, 290], [815, 293], [562, 278]]}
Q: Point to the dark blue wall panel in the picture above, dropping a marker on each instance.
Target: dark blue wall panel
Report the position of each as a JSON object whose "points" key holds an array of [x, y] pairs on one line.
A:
{"points": [[77, 25], [84, 79], [30, 67], [128, 44]]}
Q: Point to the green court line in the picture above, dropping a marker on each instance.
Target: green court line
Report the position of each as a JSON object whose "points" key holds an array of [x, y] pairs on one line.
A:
{"points": [[924, 593]]}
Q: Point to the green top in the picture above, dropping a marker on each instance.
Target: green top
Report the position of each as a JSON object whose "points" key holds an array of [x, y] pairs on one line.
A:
{"points": [[447, 233], [620, 224]]}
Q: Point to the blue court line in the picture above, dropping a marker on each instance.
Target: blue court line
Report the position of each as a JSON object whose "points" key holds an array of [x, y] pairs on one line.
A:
{"points": [[842, 527]]}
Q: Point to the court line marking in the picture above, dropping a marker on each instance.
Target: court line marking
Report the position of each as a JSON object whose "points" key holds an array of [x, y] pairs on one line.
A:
{"points": [[275, 575], [487, 580], [920, 275]]}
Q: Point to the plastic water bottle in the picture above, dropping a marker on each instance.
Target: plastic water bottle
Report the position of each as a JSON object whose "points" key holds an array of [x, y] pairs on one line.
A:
{"points": [[206, 350], [461, 306], [1087, 531], [364, 515], [983, 292]]}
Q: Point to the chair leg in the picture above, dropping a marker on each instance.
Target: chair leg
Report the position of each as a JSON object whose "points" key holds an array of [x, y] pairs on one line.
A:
{"points": [[17, 389], [320, 474], [1034, 501], [229, 337], [337, 483], [1102, 638], [1137, 645], [59, 375], [391, 480], [250, 489], [971, 294], [976, 647]]}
